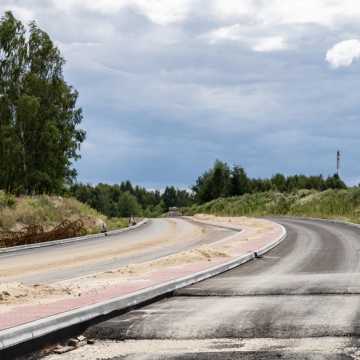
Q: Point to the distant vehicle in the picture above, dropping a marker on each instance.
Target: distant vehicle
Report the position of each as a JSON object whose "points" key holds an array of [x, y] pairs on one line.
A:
{"points": [[174, 211]]}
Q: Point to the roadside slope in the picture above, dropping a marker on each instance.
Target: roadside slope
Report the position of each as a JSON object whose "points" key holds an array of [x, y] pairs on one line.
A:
{"points": [[329, 204], [16, 214]]}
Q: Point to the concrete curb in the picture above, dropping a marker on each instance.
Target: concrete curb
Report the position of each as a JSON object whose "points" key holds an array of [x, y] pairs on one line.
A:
{"points": [[17, 335], [70, 240]]}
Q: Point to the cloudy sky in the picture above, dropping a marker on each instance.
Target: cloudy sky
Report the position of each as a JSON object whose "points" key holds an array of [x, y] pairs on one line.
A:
{"points": [[168, 86]]}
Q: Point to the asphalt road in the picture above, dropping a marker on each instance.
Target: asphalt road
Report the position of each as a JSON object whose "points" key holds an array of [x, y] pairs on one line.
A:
{"points": [[157, 238], [300, 301]]}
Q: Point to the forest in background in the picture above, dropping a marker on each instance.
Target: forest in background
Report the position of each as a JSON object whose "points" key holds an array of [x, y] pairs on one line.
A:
{"points": [[221, 181]]}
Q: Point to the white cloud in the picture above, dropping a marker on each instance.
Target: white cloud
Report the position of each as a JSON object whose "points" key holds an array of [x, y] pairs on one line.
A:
{"points": [[269, 12], [320, 12], [232, 32], [102, 6], [255, 42], [272, 12], [162, 12], [231, 8], [343, 53], [273, 43]]}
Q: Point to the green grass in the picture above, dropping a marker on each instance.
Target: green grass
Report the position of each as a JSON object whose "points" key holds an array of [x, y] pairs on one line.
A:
{"points": [[117, 223], [329, 204], [49, 211]]}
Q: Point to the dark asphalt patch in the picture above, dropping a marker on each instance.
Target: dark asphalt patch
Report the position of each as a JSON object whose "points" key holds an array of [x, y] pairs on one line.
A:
{"points": [[235, 317]]}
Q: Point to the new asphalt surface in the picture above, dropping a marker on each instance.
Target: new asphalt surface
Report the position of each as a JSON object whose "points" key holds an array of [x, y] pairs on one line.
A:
{"points": [[299, 301]]}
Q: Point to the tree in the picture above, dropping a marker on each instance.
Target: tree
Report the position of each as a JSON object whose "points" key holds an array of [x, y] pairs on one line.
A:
{"points": [[279, 182], [176, 197], [111, 201], [39, 135], [240, 183], [214, 183], [128, 205], [170, 197], [334, 182], [202, 188], [184, 198], [220, 181]]}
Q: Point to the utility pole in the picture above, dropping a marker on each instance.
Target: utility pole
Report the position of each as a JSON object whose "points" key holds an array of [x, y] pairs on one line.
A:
{"points": [[338, 163]]}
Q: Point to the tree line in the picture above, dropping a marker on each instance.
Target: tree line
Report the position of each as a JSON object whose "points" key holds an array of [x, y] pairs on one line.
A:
{"points": [[125, 200], [223, 181]]}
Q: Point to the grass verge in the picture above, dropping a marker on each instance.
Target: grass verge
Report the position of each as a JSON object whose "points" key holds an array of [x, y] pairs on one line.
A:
{"points": [[329, 204]]}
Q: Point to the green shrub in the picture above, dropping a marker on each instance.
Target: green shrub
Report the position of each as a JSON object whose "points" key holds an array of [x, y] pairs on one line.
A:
{"points": [[7, 200]]}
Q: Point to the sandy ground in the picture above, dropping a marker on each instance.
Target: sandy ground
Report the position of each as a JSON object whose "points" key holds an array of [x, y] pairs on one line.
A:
{"points": [[240, 222], [15, 293]]}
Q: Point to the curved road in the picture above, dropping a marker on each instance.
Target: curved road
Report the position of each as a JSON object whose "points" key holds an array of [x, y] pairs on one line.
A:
{"points": [[300, 301], [157, 238]]}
